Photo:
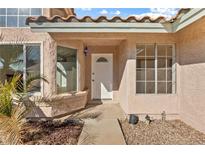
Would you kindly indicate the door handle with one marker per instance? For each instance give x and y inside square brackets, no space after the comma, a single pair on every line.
[93,80]
[93,73]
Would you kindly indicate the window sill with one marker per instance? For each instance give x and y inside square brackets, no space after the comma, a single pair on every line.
[175,94]
[15,27]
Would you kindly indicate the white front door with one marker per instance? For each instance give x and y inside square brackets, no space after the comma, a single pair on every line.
[102,76]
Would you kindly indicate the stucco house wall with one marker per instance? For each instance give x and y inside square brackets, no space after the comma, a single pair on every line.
[48,68]
[123,95]
[48,50]
[124,62]
[67,102]
[191,42]
[188,101]
[142,104]
[48,54]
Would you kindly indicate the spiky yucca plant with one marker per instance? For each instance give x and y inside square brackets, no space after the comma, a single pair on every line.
[14,106]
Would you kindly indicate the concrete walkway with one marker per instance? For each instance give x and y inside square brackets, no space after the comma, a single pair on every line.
[101,125]
[101,132]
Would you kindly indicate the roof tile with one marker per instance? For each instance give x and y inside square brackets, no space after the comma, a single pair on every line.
[116,19]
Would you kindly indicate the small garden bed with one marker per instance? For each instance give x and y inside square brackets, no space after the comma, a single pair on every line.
[52,132]
[159,132]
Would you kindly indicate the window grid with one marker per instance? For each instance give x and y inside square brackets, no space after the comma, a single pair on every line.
[18,17]
[145,79]
[156,58]
[166,69]
[29,11]
[6,18]
[156,66]
[173,71]
[161,69]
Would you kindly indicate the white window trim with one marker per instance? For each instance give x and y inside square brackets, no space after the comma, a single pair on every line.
[77,66]
[174,69]
[24,43]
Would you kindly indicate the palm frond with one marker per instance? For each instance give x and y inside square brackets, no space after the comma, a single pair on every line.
[14,106]
[11,127]
[6,91]
[33,78]
[1,36]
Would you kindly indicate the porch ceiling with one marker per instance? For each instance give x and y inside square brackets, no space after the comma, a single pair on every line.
[89,36]
[102,42]
[90,39]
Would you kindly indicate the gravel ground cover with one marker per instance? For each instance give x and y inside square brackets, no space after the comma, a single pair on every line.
[52,132]
[161,132]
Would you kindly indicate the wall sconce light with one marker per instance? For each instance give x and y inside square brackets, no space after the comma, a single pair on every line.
[86,50]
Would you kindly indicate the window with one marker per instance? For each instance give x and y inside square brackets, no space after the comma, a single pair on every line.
[24,11]
[36,11]
[2,21]
[33,64]
[155,69]
[16,17]
[102,60]
[12,21]
[12,11]
[2,11]
[14,58]
[66,74]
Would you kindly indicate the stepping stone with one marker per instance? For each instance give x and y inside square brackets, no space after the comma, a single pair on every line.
[101,132]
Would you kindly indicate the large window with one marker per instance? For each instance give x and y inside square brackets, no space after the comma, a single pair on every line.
[66,74]
[155,69]
[16,17]
[14,58]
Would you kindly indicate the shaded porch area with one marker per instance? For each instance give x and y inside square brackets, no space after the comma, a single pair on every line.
[101,79]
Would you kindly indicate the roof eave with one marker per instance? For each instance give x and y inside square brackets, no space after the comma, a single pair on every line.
[189,18]
[101,27]
[166,27]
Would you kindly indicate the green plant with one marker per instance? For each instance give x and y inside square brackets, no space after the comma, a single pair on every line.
[15,102]
[14,106]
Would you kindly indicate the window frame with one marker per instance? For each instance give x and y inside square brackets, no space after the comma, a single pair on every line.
[18,17]
[77,66]
[173,69]
[24,44]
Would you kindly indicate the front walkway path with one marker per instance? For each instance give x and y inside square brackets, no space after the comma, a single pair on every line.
[101,125]
[101,132]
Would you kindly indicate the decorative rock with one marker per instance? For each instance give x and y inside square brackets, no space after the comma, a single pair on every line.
[158,132]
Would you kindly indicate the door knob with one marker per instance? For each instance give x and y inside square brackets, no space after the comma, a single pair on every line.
[93,80]
[93,73]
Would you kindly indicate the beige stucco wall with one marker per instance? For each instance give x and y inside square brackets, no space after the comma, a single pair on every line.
[24,35]
[125,70]
[123,57]
[143,104]
[48,68]
[191,44]
[48,54]
[187,103]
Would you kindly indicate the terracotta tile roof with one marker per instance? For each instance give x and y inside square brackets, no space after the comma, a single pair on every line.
[180,13]
[116,19]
